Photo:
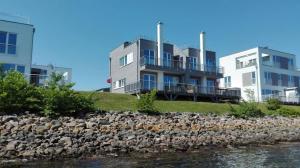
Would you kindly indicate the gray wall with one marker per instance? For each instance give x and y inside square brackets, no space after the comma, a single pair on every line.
[129,71]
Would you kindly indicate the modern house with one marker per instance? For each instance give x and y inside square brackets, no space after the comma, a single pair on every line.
[144,64]
[40,73]
[16,45]
[264,72]
[16,42]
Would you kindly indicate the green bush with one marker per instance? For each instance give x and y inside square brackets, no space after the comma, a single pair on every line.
[287,112]
[145,103]
[273,104]
[58,98]
[61,99]
[246,110]
[16,95]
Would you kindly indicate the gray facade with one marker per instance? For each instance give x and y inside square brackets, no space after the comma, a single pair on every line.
[174,71]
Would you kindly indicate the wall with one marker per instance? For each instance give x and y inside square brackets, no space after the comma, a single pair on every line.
[24,46]
[130,71]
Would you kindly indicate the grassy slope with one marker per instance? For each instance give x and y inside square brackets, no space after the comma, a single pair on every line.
[123,102]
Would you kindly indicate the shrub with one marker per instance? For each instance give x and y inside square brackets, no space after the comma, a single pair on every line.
[145,103]
[287,112]
[61,99]
[16,95]
[273,104]
[246,110]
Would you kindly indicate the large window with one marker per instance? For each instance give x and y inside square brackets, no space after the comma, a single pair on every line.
[192,62]
[149,57]
[149,81]
[8,43]
[167,59]
[267,76]
[171,80]
[12,67]
[210,86]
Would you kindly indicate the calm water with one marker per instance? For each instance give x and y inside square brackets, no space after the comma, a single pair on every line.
[281,155]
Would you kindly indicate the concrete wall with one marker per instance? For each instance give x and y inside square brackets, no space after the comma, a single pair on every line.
[24,46]
[130,71]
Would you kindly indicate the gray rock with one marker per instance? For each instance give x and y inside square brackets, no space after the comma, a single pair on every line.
[12,145]
[67,141]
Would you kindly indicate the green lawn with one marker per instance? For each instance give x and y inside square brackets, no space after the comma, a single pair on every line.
[124,102]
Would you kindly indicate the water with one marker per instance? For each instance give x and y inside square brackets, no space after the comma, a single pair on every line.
[281,155]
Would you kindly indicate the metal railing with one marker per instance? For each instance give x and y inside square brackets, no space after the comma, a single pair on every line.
[180,65]
[282,98]
[183,88]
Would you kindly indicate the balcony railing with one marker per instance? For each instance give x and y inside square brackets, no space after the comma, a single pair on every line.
[285,99]
[180,65]
[180,88]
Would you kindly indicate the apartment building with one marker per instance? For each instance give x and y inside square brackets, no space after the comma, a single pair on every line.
[264,72]
[16,42]
[144,64]
[41,73]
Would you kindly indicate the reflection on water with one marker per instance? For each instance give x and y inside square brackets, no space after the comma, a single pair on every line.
[281,155]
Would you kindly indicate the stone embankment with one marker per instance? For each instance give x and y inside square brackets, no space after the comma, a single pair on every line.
[31,137]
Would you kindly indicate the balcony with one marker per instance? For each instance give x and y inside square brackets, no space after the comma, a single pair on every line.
[181,67]
[181,89]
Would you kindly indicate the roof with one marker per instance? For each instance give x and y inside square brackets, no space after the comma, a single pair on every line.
[16,22]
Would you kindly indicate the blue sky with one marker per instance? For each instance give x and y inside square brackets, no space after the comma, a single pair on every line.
[81,33]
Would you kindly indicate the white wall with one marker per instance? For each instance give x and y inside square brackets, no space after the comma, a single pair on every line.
[24,46]
[229,65]
[53,69]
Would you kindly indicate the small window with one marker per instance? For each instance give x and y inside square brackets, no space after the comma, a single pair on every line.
[253,77]
[2,42]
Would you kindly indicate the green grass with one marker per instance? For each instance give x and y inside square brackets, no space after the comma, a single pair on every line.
[124,102]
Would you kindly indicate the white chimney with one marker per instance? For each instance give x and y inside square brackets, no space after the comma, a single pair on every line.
[160,47]
[202,49]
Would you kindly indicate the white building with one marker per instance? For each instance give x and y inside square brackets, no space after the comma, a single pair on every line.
[16,45]
[265,72]
[41,73]
[16,42]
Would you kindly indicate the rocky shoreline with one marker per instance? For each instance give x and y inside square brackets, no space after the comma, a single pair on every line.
[30,137]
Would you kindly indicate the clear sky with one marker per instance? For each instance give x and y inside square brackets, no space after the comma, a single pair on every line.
[81,33]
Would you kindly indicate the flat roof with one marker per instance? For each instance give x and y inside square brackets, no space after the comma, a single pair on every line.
[266,48]
[16,22]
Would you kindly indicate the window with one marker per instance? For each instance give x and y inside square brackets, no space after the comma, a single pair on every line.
[266,92]
[149,82]
[12,42]
[267,76]
[170,80]
[192,63]
[9,67]
[8,43]
[21,69]
[2,42]
[253,78]
[194,82]
[167,59]
[119,83]
[125,60]
[149,57]
[227,81]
